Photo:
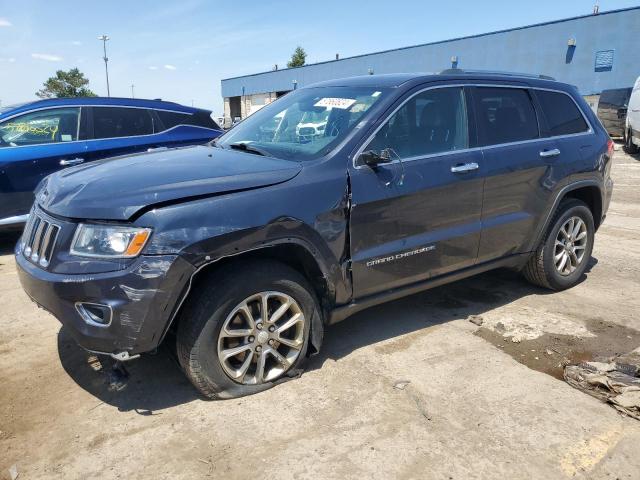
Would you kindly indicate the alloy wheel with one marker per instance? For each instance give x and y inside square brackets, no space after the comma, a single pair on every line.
[261,338]
[570,246]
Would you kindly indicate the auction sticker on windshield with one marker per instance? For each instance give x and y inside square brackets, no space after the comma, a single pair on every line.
[342,103]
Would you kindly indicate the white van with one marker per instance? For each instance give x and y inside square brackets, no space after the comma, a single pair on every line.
[632,125]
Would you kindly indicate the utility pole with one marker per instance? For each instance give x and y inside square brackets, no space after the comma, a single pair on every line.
[132,93]
[104,39]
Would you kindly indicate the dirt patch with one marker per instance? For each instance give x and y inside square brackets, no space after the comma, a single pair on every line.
[550,353]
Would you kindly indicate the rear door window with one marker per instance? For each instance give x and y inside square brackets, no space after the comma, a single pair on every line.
[115,122]
[562,113]
[431,122]
[505,115]
[55,125]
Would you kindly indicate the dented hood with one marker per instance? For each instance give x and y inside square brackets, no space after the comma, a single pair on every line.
[117,188]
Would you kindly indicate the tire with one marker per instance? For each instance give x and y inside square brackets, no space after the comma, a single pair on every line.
[542,269]
[629,146]
[200,337]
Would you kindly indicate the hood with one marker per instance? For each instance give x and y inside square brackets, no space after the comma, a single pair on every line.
[117,188]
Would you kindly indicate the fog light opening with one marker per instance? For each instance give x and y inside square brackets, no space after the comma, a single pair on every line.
[95,314]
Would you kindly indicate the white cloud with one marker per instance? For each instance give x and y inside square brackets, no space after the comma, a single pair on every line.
[46,56]
[170,67]
[8,60]
[153,67]
[4,22]
[77,43]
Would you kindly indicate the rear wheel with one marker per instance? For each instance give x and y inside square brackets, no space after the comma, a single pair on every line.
[629,146]
[246,329]
[564,252]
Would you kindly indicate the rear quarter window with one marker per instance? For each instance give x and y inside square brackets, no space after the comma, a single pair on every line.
[198,119]
[562,114]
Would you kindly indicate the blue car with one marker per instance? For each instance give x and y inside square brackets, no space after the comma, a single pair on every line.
[39,138]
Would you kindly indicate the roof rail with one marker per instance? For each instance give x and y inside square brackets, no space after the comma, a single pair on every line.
[458,71]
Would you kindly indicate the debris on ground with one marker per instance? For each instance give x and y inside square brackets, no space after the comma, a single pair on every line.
[117,377]
[615,382]
[401,384]
[476,320]
[13,472]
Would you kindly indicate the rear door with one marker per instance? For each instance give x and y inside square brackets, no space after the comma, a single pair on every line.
[519,164]
[418,215]
[32,146]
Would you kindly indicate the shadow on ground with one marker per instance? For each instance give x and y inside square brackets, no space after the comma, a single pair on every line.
[156,381]
[8,241]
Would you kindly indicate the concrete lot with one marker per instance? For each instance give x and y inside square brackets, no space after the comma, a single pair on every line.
[477,405]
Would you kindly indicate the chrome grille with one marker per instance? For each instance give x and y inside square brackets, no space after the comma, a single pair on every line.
[39,239]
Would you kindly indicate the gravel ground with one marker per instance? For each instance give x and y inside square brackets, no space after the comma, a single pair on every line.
[411,389]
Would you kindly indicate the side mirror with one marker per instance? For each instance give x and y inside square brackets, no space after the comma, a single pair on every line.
[372,159]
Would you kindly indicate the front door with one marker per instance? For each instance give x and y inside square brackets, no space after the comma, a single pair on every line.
[417,215]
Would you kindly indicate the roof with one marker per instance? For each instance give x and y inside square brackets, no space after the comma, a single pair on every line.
[95,101]
[391,80]
[446,41]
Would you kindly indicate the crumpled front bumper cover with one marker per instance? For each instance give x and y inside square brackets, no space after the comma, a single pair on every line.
[143,299]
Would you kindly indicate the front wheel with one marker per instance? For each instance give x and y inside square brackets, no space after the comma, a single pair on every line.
[246,329]
[565,251]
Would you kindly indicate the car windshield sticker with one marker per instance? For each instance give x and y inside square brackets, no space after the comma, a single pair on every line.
[342,103]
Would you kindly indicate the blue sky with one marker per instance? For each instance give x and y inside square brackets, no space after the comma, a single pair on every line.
[180,50]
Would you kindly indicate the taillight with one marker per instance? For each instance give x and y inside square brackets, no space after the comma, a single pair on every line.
[610,148]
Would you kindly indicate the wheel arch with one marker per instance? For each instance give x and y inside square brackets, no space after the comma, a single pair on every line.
[588,191]
[592,196]
[294,253]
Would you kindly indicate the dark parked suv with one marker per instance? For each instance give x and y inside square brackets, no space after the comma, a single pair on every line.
[612,110]
[244,250]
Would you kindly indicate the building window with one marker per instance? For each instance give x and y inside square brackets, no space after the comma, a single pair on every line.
[604,61]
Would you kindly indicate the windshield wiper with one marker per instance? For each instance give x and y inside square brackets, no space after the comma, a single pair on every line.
[249,149]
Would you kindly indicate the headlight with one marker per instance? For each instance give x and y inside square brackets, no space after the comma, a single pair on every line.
[105,241]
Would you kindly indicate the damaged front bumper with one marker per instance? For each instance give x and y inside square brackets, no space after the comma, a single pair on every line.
[121,313]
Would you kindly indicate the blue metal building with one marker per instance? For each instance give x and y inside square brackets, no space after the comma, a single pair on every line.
[593,52]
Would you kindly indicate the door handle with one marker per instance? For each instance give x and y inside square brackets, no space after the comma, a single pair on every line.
[71,161]
[464,167]
[550,153]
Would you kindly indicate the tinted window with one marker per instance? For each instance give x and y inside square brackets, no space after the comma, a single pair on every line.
[199,119]
[431,122]
[563,116]
[505,115]
[171,119]
[45,126]
[112,122]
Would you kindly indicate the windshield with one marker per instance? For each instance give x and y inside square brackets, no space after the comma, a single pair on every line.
[304,124]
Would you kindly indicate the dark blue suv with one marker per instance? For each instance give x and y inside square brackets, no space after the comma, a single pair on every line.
[39,138]
[241,252]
